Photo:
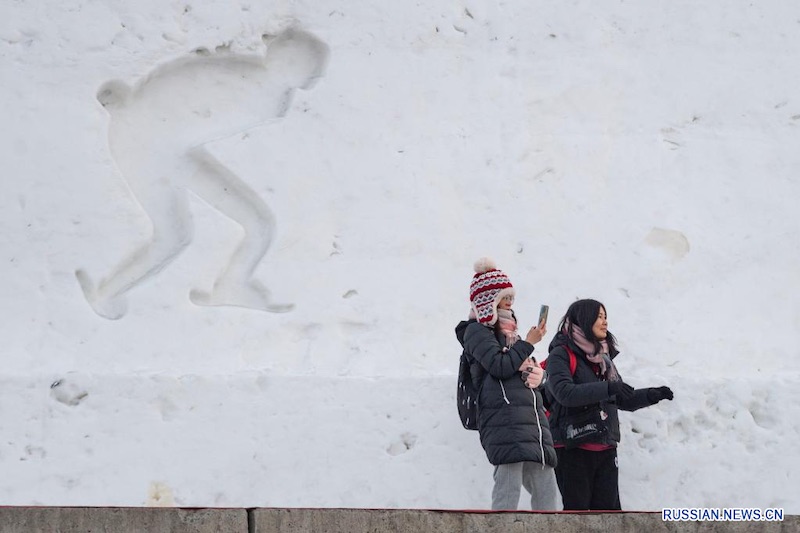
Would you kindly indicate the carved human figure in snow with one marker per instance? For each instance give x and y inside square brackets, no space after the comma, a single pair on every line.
[159,134]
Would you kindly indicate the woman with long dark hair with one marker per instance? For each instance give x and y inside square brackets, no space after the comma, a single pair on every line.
[585,390]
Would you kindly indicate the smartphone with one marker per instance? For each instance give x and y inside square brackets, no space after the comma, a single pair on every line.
[543,314]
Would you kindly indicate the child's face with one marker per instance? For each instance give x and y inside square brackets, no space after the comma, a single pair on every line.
[506,302]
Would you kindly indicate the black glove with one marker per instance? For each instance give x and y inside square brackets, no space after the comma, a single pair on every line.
[656,394]
[620,389]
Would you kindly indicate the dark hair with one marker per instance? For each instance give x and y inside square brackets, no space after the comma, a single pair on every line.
[584,313]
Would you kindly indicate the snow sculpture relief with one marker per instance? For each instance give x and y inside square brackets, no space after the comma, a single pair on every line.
[159,134]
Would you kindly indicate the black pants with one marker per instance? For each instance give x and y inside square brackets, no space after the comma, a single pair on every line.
[588,480]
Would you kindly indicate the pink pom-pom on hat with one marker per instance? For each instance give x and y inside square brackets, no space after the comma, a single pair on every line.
[489,286]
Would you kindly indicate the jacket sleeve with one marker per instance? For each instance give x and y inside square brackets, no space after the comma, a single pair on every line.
[543,384]
[480,343]
[561,386]
[638,401]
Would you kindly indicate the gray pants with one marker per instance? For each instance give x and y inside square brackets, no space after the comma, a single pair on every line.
[539,482]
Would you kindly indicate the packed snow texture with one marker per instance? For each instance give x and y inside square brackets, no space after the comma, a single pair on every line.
[237,238]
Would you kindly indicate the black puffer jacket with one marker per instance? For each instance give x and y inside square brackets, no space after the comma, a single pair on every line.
[511,418]
[568,393]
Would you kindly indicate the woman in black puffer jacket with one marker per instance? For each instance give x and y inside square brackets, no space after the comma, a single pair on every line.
[584,396]
[511,417]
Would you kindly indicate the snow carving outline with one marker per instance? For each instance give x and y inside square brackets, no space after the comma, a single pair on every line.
[159,133]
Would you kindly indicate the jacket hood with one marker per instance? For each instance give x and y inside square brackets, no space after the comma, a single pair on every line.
[461,328]
[559,340]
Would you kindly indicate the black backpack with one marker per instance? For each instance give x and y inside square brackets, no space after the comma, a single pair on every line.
[467,395]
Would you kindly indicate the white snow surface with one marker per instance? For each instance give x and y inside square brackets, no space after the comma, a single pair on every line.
[641,153]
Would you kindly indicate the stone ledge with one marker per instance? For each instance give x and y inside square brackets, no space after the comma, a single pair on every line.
[426,521]
[217,520]
[121,520]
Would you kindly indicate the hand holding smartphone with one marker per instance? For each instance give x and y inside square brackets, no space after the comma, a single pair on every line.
[538,331]
[543,311]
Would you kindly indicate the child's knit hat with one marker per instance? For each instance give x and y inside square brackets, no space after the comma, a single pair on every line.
[488,287]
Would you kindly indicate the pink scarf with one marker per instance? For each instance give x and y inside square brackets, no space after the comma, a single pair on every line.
[507,324]
[607,366]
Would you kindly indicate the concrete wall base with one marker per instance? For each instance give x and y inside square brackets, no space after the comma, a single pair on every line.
[421,521]
[121,520]
[175,520]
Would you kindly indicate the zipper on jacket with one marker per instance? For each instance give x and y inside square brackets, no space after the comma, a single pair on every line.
[504,393]
[539,424]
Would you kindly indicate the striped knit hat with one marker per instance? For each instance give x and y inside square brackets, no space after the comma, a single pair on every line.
[488,287]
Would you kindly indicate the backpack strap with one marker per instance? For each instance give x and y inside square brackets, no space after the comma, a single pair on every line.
[573,361]
[573,366]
